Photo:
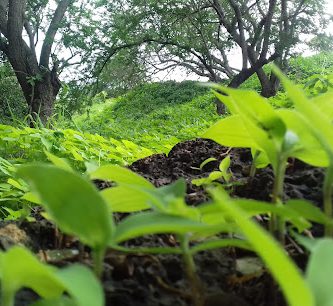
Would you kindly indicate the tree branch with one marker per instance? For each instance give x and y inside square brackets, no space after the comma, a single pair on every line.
[51,32]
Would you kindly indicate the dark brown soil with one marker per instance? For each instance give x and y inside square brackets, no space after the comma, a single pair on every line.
[135,280]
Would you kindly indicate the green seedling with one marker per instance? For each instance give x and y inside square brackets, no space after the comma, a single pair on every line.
[316,114]
[19,268]
[74,204]
[79,209]
[273,136]
[255,124]
[224,174]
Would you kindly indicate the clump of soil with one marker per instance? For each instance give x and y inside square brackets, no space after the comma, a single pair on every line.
[159,280]
[302,181]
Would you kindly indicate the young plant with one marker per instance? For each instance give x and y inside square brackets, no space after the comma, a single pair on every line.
[19,268]
[317,115]
[255,124]
[74,204]
[223,173]
[273,136]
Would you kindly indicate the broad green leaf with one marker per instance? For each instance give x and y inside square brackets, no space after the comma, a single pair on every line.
[260,121]
[230,132]
[201,181]
[211,213]
[285,272]
[19,268]
[309,149]
[120,175]
[319,272]
[155,223]
[72,202]
[126,199]
[308,211]
[161,197]
[318,123]
[325,103]
[262,160]
[76,155]
[82,285]
[254,107]
[57,161]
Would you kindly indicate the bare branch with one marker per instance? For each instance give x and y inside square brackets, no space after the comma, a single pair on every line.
[51,32]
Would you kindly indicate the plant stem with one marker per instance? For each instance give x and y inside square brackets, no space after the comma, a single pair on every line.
[196,286]
[327,193]
[253,165]
[98,259]
[277,225]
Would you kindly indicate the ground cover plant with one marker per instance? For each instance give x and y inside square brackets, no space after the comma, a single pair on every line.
[156,115]
[115,220]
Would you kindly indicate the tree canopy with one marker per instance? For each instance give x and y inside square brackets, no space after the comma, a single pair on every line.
[201,35]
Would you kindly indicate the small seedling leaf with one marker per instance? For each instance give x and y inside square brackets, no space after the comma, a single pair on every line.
[205,162]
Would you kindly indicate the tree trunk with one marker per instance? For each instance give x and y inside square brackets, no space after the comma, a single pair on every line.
[220,107]
[43,95]
[269,85]
[40,91]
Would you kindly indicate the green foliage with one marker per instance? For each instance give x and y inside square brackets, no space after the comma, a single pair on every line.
[278,135]
[301,68]
[67,149]
[123,72]
[74,204]
[156,115]
[318,118]
[19,268]
[28,144]
[169,215]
